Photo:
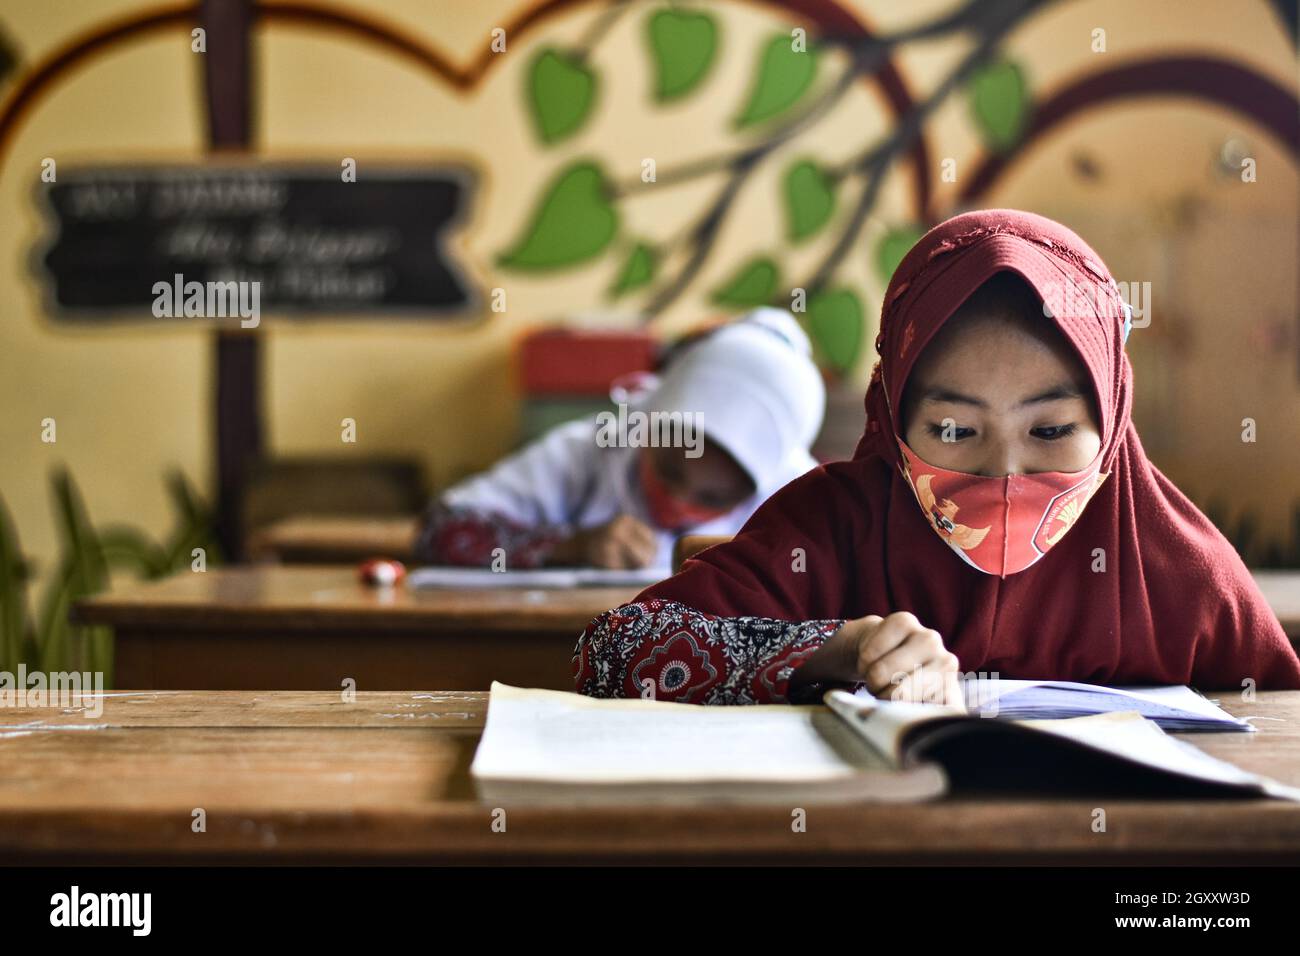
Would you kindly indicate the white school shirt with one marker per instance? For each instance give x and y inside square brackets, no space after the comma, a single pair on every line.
[564,478]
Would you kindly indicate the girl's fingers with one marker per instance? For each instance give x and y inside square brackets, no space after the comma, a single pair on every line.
[889,634]
[952,690]
[920,647]
[646,535]
[643,553]
[923,686]
[928,685]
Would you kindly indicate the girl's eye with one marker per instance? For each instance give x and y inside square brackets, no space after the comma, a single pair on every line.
[1054,432]
[956,433]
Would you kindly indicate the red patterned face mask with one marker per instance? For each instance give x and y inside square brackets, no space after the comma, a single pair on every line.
[1000,525]
[668,511]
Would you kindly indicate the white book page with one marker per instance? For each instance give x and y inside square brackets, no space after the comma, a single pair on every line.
[476,578]
[479,578]
[552,736]
[1183,698]
[617,578]
[1124,733]
[1131,735]
[882,722]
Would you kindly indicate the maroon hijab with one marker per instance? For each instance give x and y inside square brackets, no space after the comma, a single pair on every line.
[1174,603]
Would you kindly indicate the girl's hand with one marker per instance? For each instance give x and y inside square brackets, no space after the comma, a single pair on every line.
[899,659]
[621,544]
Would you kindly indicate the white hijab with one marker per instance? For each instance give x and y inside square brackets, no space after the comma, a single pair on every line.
[759,395]
[756,391]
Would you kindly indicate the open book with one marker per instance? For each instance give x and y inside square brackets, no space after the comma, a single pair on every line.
[476,578]
[1174,708]
[550,746]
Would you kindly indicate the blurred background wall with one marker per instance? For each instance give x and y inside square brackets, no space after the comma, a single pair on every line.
[1134,136]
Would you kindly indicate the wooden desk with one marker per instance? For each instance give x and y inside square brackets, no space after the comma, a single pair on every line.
[304,777]
[1282,591]
[313,539]
[309,628]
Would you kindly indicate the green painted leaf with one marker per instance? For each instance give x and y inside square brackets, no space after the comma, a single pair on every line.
[574,222]
[999,99]
[683,45]
[837,322]
[637,271]
[783,77]
[809,200]
[892,247]
[561,92]
[753,285]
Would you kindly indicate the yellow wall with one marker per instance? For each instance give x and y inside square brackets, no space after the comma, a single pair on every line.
[133,399]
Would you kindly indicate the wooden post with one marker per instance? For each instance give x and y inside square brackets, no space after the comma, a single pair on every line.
[227,72]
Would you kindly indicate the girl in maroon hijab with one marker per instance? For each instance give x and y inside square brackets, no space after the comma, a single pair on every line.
[999,516]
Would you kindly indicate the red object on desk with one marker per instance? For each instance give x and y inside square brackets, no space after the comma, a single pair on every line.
[381,572]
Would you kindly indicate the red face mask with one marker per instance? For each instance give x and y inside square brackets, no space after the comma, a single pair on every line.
[1000,525]
[668,511]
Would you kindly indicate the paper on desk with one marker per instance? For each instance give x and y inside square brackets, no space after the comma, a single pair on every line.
[478,578]
[544,735]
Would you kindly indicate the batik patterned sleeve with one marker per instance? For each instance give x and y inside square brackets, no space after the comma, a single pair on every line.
[671,652]
[471,536]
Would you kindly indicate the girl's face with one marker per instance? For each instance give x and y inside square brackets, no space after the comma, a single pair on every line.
[1012,393]
[713,480]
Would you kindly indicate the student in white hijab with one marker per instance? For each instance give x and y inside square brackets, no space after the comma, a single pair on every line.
[739,407]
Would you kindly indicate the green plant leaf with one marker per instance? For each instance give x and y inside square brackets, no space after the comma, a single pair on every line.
[752,285]
[893,247]
[574,222]
[784,75]
[561,92]
[85,572]
[188,507]
[14,625]
[999,99]
[79,540]
[683,45]
[195,527]
[809,200]
[129,549]
[53,631]
[837,322]
[637,270]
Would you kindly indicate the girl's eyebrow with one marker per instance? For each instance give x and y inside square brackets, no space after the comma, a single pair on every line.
[1053,394]
[938,394]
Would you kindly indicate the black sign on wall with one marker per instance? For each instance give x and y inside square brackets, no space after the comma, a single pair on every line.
[313,242]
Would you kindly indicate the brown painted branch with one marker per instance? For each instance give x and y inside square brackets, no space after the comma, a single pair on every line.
[702,234]
[867,56]
[599,27]
[876,162]
[990,24]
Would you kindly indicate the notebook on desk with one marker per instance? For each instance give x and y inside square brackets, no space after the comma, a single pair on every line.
[546,578]
[550,746]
